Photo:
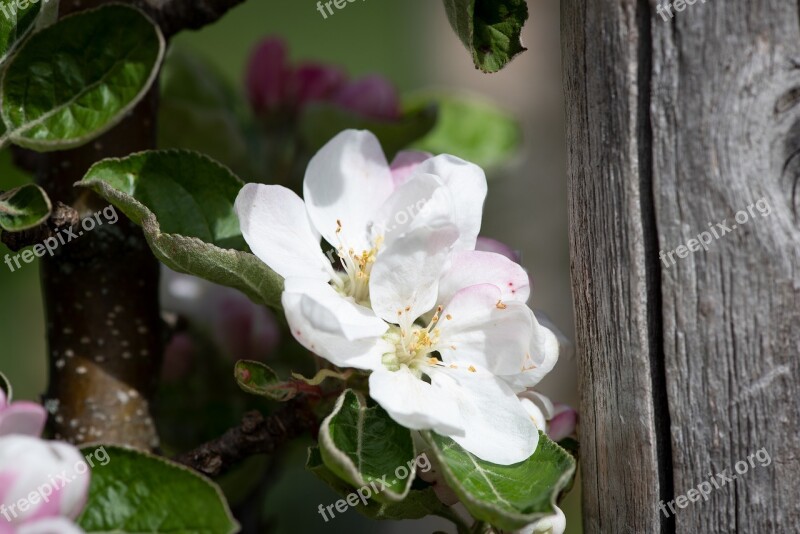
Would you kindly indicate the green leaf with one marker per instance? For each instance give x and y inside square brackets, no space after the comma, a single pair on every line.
[184,202]
[363,444]
[135,492]
[321,122]
[507,496]
[15,24]
[78,78]
[490,29]
[471,128]
[258,379]
[416,505]
[24,207]
[198,110]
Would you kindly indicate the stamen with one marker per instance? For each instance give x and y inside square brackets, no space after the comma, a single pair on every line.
[472,369]
[500,305]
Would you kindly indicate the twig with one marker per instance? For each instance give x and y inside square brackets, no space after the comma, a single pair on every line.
[256,435]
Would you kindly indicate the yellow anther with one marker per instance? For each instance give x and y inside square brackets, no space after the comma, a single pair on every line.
[472,369]
[449,317]
[433,361]
[500,305]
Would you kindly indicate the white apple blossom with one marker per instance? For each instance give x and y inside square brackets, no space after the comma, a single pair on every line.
[26,418]
[42,487]
[444,329]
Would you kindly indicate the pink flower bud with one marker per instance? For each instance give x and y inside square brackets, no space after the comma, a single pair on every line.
[267,75]
[372,96]
[487,244]
[179,357]
[55,472]
[563,423]
[313,82]
[405,163]
[244,330]
[25,418]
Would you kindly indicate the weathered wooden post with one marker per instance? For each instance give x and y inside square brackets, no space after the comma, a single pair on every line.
[688,364]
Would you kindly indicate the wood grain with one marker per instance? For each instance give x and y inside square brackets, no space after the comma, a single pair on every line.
[686,369]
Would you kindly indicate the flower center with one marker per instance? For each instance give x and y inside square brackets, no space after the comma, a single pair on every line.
[413,346]
[357,268]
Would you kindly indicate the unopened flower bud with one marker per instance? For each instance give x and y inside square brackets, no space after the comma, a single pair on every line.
[267,75]
[372,96]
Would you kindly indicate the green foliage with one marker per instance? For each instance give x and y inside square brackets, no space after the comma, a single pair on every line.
[471,128]
[258,379]
[490,29]
[416,505]
[184,202]
[136,492]
[16,26]
[23,208]
[76,79]
[363,444]
[506,496]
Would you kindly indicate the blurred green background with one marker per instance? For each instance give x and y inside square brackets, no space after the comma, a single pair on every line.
[411,43]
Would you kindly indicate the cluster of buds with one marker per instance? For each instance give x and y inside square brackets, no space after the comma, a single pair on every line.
[276,87]
[41,491]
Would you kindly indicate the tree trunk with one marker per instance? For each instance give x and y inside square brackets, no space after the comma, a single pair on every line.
[689,363]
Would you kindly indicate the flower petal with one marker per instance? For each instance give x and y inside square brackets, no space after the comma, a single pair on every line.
[487,244]
[405,163]
[422,202]
[405,278]
[30,463]
[476,326]
[26,418]
[276,227]
[346,181]
[414,403]
[551,524]
[52,525]
[328,324]
[498,429]
[467,184]
[541,358]
[471,268]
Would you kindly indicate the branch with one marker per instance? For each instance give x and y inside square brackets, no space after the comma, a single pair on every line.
[256,435]
[63,216]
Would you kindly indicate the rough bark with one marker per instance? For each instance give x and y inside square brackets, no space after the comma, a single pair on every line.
[101,291]
[686,369]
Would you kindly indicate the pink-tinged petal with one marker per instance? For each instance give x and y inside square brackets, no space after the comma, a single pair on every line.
[275,225]
[56,525]
[541,358]
[373,97]
[314,82]
[471,268]
[35,464]
[467,184]
[405,163]
[498,429]
[3,399]
[26,418]
[487,244]
[404,282]
[563,423]
[476,326]
[267,75]
[332,326]
[414,403]
[345,183]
